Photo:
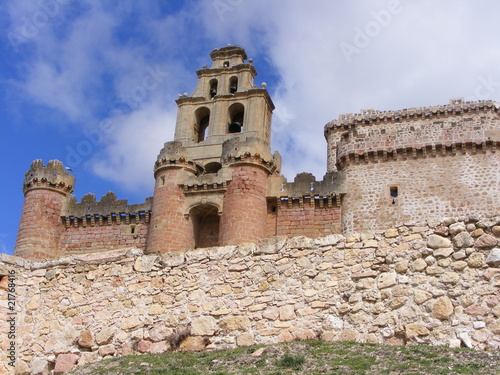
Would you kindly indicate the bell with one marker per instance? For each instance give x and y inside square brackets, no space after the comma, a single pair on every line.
[213,92]
[235,127]
[233,89]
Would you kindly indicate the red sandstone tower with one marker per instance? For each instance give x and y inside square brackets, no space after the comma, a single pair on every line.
[211,180]
[45,190]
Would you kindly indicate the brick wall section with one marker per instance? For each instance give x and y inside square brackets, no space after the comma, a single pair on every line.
[101,238]
[303,221]
[433,188]
[41,227]
[245,207]
[169,229]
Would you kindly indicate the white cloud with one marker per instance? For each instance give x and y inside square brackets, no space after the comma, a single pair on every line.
[132,146]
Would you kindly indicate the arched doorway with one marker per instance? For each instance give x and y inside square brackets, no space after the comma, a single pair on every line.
[205,219]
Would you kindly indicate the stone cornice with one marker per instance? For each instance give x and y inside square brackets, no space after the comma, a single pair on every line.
[52,177]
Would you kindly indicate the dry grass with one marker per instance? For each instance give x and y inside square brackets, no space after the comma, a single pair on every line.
[309,357]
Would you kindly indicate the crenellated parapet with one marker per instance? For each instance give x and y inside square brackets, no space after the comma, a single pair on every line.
[107,211]
[174,155]
[455,107]
[306,189]
[52,177]
[250,151]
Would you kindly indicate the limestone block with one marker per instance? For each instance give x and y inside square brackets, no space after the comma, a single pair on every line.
[104,336]
[245,339]
[86,339]
[415,329]
[386,280]
[159,347]
[159,333]
[442,309]
[486,241]
[349,335]
[493,258]
[450,278]
[463,239]
[435,241]
[401,267]
[458,266]
[65,363]
[391,233]
[173,259]
[271,313]
[306,334]
[193,344]
[456,228]
[496,230]
[143,346]
[330,240]
[145,263]
[476,260]
[285,336]
[287,312]
[203,326]
[236,323]
[418,265]
[106,350]
[270,246]
[40,366]
[443,252]
[131,322]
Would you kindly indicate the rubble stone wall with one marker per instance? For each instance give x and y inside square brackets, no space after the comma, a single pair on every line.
[418,283]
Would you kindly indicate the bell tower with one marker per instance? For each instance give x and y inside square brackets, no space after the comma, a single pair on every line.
[211,180]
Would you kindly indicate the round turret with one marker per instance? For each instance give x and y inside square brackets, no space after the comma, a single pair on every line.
[45,190]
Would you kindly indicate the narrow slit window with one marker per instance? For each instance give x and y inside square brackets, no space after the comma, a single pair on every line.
[394,191]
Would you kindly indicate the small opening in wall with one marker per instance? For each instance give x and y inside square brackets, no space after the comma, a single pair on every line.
[162,180]
[394,193]
[273,209]
[226,64]
[132,229]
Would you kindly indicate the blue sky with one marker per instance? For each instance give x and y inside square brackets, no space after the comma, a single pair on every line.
[93,82]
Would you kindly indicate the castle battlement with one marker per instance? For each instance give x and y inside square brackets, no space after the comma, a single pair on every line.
[53,177]
[107,211]
[455,107]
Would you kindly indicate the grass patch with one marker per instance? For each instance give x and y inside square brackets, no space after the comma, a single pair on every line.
[305,357]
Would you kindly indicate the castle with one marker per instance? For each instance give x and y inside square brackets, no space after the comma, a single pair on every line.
[219,184]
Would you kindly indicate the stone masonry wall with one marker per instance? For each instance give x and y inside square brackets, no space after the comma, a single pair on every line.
[433,188]
[418,283]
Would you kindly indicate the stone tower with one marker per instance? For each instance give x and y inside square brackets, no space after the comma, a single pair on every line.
[45,190]
[211,181]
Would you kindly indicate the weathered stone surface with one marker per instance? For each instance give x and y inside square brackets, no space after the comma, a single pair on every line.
[443,252]
[418,265]
[386,280]
[106,350]
[493,258]
[456,228]
[486,241]
[104,336]
[203,326]
[131,322]
[476,260]
[435,241]
[463,239]
[236,323]
[416,329]
[86,339]
[40,366]
[442,309]
[391,233]
[287,312]
[193,344]
[65,363]
[245,339]
[145,263]
[349,335]
[421,296]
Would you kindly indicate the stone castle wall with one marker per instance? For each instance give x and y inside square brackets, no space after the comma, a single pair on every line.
[432,283]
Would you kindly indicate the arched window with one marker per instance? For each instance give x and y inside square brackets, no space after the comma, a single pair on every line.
[213,88]
[236,116]
[213,167]
[233,85]
[201,126]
